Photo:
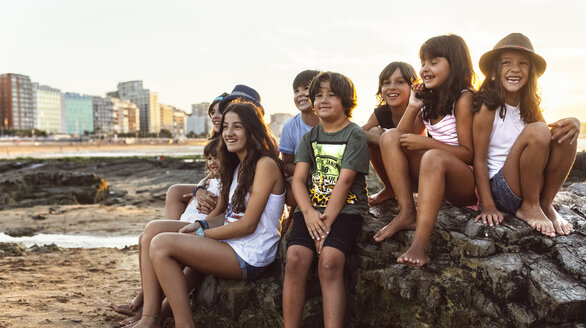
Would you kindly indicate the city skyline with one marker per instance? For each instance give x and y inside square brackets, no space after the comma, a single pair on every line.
[189,52]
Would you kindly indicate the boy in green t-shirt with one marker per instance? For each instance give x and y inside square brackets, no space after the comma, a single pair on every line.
[330,189]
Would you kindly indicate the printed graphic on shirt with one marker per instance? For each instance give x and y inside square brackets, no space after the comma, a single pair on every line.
[231,216]
[328,162]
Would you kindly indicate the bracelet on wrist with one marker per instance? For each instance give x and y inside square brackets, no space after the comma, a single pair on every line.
[203,223]
[194,192]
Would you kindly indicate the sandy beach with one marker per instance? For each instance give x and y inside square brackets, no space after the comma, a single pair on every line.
[53,286]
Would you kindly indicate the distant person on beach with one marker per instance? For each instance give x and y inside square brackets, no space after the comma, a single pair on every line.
[394,89]
[330,189]
[237,245]
[520,164]
[190,215]
[439,166]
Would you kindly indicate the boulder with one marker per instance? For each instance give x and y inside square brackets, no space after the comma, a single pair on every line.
[480,276]
[32,188]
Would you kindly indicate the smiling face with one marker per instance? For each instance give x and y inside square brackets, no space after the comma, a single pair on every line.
[301,98]
[234,134]
[213,164]
[327,105]
[216,117]
[395,90]
[434,72]
[514,72]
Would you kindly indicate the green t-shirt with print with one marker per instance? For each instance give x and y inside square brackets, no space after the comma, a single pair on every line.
[329,153]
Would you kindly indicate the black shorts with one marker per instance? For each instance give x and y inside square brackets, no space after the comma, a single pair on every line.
[342,235]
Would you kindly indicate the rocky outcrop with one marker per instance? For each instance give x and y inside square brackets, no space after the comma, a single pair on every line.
[31,188]
[479,276]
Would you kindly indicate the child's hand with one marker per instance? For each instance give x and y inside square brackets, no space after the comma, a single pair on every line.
[206,201]
[490,216]
[565,130]
[190,228]
[414,101]
[412,141]
[315,225]
[319,245]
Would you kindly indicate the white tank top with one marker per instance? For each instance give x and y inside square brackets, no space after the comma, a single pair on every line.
[504,134]
[259,248]
[191,213]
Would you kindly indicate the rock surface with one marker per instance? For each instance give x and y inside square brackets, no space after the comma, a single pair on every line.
[479,276]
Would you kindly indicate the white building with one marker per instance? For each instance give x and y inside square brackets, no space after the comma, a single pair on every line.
[199,121]
[277,121]
[147,101]
[47,103]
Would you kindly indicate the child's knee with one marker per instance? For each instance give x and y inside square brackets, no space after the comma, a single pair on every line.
[538,133]
[330,268]
[434,159]
[297,263]
[389,137]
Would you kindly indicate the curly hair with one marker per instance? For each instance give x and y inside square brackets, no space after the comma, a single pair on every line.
[461,77]
[259,143]
[492,93]
[341,85]
[407,72]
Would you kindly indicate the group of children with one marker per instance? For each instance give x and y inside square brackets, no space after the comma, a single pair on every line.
[435,135]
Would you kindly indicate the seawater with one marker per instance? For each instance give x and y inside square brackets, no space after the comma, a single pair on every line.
[72,241]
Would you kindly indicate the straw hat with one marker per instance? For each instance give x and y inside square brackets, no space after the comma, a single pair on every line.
[513,41]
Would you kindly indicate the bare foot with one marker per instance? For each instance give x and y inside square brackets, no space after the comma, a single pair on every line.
[414,257]
[404,221]
[132,309]
[145,322]
[561,226]
[130,320]
[125,309]
[535,218]
[381,196]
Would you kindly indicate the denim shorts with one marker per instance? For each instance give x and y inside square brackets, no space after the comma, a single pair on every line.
[249,272]
[504,198]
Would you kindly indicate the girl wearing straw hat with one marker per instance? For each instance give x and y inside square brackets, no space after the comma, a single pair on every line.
[520,162]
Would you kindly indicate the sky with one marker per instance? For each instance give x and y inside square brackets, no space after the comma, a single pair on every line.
[191,51]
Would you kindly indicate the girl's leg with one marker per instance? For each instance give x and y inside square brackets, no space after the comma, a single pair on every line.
[373,138]
[523,170]
[561,159]
[299,260]
[175,203]
[170,251]
[440,173]
[150,285]
[331,277]
[377,163]
[400,166]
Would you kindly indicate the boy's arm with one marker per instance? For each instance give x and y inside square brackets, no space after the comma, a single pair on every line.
[338,196]
[289,163]
[316,227]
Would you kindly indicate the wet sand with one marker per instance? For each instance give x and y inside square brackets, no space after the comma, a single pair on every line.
[71,287]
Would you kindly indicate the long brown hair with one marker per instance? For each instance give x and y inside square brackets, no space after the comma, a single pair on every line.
[454,49]
[492,93]
[259,143]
